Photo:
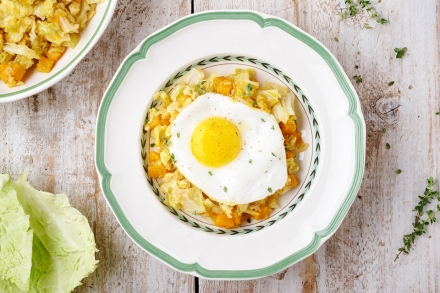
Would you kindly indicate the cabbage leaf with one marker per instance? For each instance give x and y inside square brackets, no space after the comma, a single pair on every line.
[63,243]
[15,241]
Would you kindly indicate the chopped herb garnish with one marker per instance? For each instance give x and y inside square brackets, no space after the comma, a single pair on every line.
[269,189]
[178,134]
[199,87]
[255,103]
[250,161]
[273,155]
[273,127]
[388,146]
[173,159]
[390,83]
[437,113]
[336,39]
[225,189]
[210,173]
[167,141]
[195,213]
[263,120]
[249,87]
[384,130]
[398,171]
[152,145]
[419,223]
[400,52]
[358,78]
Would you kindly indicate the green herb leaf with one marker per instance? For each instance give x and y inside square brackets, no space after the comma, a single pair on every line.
[398,171]
[210,173]
[249,87]
[178,134]
[250,161]
[390,83]
[358,78]
[269,189]
[255,103]
[384,130]
[273,127]
[173,159]
[400,52]
[152,144]
[419,223]
[336,39]
[225,189]
[263,120]
[388,146]
[273,155]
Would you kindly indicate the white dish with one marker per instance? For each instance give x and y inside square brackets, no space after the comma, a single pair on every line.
[330,115]
[36,82]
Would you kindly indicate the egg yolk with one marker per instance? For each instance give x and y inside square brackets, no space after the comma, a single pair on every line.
[215,142]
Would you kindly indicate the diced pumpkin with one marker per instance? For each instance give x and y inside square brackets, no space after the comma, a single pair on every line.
[45,65]
[165,119]
[55,52]
[155,122]
[287,129]
[236,218]
[153,157]
[157,171]
[264,213]
[11,73]
[223,221]
[223,85]
[293,180]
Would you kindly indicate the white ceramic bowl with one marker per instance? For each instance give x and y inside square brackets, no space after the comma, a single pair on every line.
[329,113]
[36,81]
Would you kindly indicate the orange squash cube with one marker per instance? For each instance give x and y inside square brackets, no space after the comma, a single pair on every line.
[223,85]
[153,157]
[45,65]
[287,129]
[157,171]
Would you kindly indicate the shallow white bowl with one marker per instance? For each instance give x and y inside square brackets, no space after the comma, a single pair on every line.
[36,82]
[330,115]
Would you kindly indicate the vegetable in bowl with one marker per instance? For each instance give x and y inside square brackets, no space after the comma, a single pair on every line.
[36,33]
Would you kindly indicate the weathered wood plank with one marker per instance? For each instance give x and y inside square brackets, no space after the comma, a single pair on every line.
[53,133]
[359,257]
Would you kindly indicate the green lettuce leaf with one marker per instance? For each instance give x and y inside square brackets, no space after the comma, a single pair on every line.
[63,244]
[15,241]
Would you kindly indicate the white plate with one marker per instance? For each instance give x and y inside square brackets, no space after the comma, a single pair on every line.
[331,118]
[36,82]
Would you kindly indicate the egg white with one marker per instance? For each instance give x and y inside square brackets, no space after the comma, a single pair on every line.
[260,168]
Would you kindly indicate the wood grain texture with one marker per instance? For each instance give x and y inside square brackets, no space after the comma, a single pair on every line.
[360,256]
[53,133]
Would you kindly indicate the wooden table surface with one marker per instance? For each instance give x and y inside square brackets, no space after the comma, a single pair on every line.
[53,133]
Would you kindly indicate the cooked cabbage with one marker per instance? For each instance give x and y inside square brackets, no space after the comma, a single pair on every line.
[28,28]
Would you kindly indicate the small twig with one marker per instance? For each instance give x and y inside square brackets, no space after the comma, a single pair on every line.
[391,110]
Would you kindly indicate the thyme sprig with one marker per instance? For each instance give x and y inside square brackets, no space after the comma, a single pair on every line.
[353,7]
[419,223]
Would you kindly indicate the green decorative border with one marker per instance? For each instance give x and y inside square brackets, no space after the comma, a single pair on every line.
[109,9]
[311,175]
[319,236]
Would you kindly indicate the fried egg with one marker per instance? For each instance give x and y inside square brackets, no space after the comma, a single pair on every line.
[232,152]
